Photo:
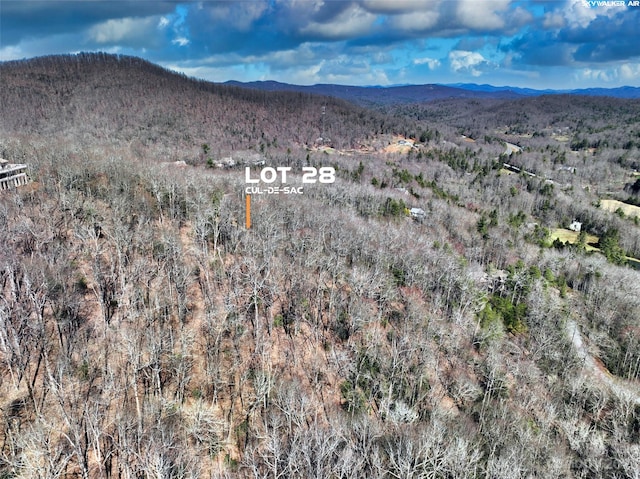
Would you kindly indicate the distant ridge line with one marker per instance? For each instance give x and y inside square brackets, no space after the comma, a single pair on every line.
[405,94]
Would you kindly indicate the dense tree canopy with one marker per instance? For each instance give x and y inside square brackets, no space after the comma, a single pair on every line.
[145,332]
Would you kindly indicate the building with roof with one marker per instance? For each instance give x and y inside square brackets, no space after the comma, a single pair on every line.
[418,214]
[12,175]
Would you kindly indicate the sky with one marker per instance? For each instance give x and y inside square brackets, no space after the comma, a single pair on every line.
[562,44]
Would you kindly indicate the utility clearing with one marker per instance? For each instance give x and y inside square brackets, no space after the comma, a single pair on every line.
[594,368]
[613,205]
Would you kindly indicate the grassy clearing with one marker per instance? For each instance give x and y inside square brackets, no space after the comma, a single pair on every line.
[571,237]
[613,205]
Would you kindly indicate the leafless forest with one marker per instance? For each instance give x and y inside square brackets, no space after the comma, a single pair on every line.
[146,333]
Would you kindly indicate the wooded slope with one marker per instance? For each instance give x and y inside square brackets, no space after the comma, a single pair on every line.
[108,97]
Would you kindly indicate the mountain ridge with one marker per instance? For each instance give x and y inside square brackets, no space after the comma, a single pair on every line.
[94,93]
[625,91]
[406,94]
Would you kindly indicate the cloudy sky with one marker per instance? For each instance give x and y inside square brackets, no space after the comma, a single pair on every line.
[537,43]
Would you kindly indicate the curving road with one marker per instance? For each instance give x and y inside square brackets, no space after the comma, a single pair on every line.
[594,368]
[511,148]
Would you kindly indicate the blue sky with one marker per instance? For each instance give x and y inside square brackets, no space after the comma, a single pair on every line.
[537,43]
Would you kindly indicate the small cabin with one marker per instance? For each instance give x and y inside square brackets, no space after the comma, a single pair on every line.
[12,175]
[575,226]
[417,213]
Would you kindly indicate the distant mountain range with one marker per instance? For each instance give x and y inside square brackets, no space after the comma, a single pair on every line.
[405,94]
[620,92]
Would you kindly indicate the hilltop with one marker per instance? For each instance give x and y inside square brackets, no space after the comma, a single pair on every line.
[126,99]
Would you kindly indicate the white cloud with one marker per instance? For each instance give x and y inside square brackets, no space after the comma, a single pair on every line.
[461,61]
[164,22]
[51,45]
[351,22]
[400,6]
[578,13]
[380,58]
[181,41]
[372,77]
[482,14]
[240,15]
[307,5]
[553,20]
[283,59]
[432,63]
[519,17]
[630,72]
[340,70]
[595,74]
[135,30]
[296,58]
[627,73]
[416,21]
[12,52]
[507,61]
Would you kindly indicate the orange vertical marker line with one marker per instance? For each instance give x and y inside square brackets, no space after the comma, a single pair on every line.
[247,215]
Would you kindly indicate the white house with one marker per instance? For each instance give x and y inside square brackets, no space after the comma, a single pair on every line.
[417,213]
[12,175]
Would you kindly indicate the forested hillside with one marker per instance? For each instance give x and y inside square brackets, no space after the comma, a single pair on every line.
[146,332]
[89,97]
